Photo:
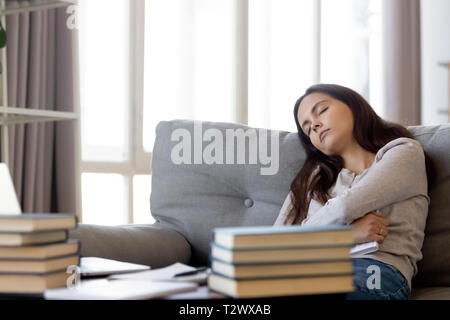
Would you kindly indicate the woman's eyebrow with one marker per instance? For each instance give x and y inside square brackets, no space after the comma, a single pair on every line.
[312,111]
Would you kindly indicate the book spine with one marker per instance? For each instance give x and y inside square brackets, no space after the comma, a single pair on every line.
[281,248]
[256,264]
[32,231]
[77,253]
[237,264]
[3,274]
[329,275]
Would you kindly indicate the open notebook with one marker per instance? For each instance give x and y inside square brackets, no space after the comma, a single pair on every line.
[94,267]
[137,285]
[119,290]
[168,273]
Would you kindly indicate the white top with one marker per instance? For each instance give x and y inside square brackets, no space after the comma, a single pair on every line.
[396,184]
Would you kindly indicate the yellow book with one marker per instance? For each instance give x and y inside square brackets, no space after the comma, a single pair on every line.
[282,236]
[279,254]
[258,288]
[32,222]
[21,239]
[41,251]
[38,266]
[271,270]
[32,283]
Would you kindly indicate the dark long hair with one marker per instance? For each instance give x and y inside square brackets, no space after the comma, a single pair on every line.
[369,130]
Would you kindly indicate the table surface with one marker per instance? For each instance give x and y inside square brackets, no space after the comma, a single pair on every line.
[202,293]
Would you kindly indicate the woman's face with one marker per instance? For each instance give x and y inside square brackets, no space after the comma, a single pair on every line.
[319,112]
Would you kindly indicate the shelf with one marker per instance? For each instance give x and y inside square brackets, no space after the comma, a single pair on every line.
[41,6]
[10,116]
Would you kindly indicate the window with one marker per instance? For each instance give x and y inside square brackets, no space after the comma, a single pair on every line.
[281,55]
[294,44]
[115,171]
[351,47]
[147,61]
[104,81]
[189,61]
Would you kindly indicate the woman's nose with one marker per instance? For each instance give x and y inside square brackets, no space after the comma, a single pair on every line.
[317,125]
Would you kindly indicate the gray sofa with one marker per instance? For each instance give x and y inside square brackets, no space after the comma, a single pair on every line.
[189,200]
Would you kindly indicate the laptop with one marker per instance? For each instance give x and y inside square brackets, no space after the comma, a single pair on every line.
[9,204]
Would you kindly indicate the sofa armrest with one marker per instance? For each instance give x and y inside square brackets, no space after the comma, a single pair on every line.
[144,244]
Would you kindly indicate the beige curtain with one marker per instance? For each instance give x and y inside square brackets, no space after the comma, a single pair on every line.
[401,73]
[42,155]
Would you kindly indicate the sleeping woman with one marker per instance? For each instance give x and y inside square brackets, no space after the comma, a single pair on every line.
[365,172]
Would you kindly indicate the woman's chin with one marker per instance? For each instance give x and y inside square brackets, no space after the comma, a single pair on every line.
[327,151]
[323,150]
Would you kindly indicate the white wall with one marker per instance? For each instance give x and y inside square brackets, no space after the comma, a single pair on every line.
[435,34]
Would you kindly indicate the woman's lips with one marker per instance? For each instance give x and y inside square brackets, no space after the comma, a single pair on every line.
[322,136]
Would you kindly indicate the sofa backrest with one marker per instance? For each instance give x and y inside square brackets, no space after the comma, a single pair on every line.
[198,195]
[434,268]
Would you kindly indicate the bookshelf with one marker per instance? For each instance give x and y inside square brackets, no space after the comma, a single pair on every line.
[34,7]
[12,115]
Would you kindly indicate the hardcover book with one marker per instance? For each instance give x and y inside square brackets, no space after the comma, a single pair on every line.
[31,222]
[38,266]
[32,283]
[21,239]
[282,236]
[276,270]
[40,251]
[290,254]
[255,288]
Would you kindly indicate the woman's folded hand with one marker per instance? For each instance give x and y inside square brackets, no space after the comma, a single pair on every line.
[372,226]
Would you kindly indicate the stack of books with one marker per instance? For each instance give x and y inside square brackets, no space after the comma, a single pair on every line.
[35,252]
[267,261]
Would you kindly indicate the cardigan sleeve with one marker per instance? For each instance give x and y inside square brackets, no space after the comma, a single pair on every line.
[398,173]
[282,218]
[284,211]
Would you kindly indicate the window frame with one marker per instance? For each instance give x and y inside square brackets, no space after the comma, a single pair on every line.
[139,161]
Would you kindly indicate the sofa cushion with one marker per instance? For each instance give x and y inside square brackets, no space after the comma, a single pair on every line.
[434,268]
[142,244]
[195,198]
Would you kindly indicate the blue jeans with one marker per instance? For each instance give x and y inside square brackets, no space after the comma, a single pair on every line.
[375,280]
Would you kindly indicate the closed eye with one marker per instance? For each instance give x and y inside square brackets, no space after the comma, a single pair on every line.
[309,131]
